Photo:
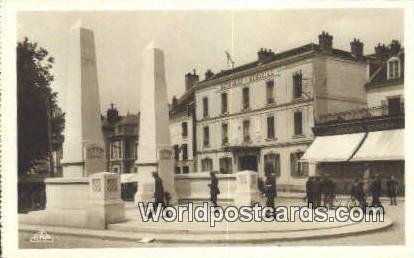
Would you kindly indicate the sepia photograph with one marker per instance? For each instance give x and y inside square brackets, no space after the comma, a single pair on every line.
[244,127]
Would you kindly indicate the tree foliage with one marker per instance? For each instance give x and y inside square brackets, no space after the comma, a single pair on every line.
[36,103]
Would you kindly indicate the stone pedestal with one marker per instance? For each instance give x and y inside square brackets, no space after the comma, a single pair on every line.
[247,193]
[154,148]
[105,203]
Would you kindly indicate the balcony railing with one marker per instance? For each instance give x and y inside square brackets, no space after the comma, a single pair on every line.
[364,113]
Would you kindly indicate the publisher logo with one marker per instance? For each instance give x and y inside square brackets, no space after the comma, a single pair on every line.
[41,237]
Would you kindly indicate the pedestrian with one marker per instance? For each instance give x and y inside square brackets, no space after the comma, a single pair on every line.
[214,190]
[317,193]
[159,191]
[309,191]
[392,190]
[357,193]
[325,191]
[375,189]
[270,191]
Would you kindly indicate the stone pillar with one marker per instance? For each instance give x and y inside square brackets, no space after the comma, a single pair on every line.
[83,148]
[312,168]
[105,204]
[154,149]
[247,193]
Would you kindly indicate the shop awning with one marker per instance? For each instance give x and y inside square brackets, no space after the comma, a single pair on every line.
[382,145]
[333,148]
[129,178]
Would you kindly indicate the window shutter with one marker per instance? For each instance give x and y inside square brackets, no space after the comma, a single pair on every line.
[305,166]
[293,164]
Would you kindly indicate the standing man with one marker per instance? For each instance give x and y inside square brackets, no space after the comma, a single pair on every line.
[357,192]
[309,191]
[159,191]
[392,190]
[270,191]
[317,194]
[214,190]
[325,191]
[376,191]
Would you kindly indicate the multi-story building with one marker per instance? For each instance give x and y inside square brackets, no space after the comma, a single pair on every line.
[121,139]
[182,127]
[259,116]
[370,140]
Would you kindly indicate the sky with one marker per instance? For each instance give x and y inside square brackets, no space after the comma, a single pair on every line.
[195,40]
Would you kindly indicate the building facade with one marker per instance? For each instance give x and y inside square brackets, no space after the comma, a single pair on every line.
[259,116]
[371,140]
[182,127]
[121,140]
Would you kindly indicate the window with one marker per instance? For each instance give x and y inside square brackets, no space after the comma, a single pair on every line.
[297,85]
[272,164]
[115,169]
[185,152]
[116,151]
[177,170]
[224,103]
[298,123]
[394,106]
[176,152]
[184,129]
[205,107]
[246,98]
[297,168]
[206,138]
[246,130]
[269,92]
[186,170]
[270,127]
[206,165]
[393,69]
[226,166]
[224,133]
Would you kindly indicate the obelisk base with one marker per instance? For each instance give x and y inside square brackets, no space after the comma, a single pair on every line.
[73,169]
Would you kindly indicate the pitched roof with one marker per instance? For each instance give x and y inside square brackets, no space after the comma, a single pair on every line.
[283,55]
[378,72]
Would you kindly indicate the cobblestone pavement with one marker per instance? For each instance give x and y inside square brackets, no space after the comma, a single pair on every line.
[391,236]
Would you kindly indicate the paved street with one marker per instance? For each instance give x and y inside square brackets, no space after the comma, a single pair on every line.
[391,236]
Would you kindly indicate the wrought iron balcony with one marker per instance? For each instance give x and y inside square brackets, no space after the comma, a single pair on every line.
[364,113]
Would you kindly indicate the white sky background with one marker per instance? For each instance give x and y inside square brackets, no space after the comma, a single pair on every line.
[195,39]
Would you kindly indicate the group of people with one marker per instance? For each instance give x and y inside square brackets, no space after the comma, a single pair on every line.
[375,188]
[320,190]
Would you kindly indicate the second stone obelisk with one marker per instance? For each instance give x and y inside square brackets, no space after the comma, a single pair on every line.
[154,149]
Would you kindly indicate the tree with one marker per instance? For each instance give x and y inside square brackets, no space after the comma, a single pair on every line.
[40,121]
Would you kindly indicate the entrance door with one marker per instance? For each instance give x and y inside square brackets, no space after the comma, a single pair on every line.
[248,162]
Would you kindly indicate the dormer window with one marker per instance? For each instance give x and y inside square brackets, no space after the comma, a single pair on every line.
[393,70]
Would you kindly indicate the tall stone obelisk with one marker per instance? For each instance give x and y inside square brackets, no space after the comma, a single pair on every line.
[154,147]
[83,148]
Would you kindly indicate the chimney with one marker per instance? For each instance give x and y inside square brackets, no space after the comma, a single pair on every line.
[357,48]
[395,47]
[112,114]
[325,42]
[381,49]
[264,54]
[174,102]
[190,80]
[209,74]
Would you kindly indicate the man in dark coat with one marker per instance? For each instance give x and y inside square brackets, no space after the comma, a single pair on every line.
[392,190]
[357,192]
[270,190]
[309,191]
[317,193]
[159,190]
[376,191]
[325,190]
[214,190]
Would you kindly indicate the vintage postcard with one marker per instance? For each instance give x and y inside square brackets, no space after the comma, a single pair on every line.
[133,128]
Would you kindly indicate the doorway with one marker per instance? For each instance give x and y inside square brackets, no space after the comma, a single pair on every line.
[248,162]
